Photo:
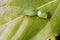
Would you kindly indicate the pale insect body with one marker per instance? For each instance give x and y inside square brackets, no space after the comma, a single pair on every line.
[29,12]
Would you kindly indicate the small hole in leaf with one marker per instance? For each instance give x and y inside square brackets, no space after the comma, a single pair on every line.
[49,15]
[58,37]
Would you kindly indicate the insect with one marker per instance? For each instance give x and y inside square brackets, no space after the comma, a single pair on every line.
[42,14]
[32,12]
[29,12]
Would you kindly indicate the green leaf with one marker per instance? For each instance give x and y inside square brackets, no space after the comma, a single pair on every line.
[27,3]
[31,27]
[51,29]
[9,29]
